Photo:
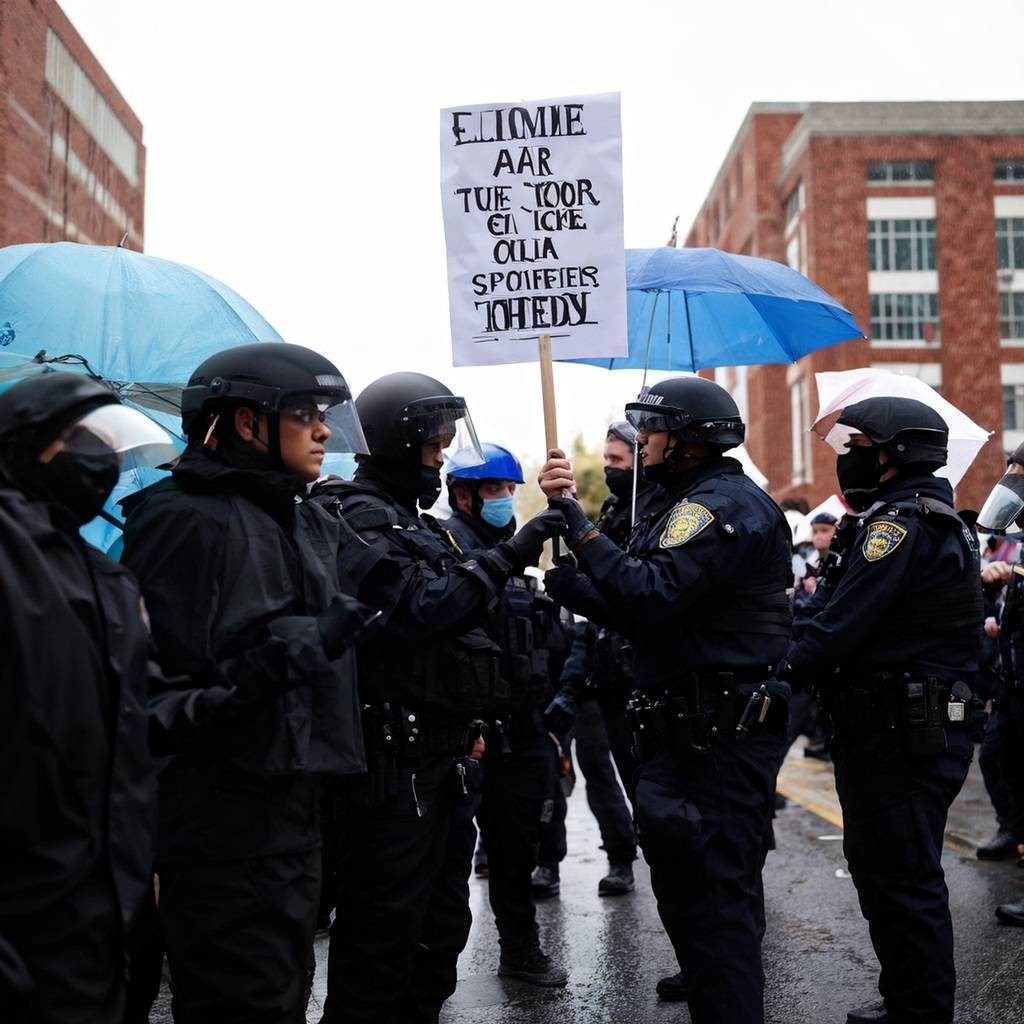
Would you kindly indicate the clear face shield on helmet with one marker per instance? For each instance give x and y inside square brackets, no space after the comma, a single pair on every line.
[136,440]
[1003,506]
[445,419]
[339,416]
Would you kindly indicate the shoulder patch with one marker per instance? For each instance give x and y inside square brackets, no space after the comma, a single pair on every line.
[883,539]
[685,522]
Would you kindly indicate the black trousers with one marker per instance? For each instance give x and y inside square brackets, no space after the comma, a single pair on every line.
[620,740]
[990,761]
[402,899]
[1011,756]
[75,956]
[239,938]
[702,823]
[894,816]
[515,787]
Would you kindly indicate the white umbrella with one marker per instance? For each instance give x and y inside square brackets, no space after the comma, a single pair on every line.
[836,391]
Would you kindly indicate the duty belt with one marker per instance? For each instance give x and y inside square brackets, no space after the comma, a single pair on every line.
[918,707]
[403,732]
[704,706]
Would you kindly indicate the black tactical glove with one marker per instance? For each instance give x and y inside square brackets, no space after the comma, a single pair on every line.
[526,546]
[345,623]
[560,715]
[578,524]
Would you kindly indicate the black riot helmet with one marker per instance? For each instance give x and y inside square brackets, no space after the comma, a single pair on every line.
[693,410]
[912,433]
[272,378]
[97,433]
[1004,506]
[400,412]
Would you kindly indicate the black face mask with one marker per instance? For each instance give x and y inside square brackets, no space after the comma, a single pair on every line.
[81,483]
[430,484]
[619,482]
[858,472]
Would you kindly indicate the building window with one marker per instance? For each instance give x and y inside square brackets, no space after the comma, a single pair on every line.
[898,172]
[901,244]
[794,204]
[1010,243]
[903,317]
[1013,407]
[1011,316]
[798,430]
[1009,170]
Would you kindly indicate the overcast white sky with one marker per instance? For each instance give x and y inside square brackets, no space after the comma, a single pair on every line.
[293,147]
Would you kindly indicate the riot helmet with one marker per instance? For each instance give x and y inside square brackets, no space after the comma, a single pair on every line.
[499,465]
[65,438]
[400,412]
[913,435]
[691,410]
[271,378]
[1004,506]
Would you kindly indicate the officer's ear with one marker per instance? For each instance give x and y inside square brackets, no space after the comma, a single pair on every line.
[463,498]
[247,424]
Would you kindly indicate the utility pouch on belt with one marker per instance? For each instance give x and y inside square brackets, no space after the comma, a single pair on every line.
[471,667]
[925,734]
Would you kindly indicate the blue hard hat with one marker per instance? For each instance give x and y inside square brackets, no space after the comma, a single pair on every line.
[499,464]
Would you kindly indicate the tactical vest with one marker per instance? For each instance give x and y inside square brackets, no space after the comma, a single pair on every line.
[757,603]
[449,677]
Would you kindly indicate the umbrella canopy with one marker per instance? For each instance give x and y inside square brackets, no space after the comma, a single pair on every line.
[130,317]
[838,390]
[688,309]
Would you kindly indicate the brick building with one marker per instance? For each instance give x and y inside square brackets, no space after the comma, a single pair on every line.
[912,215]
[72,163]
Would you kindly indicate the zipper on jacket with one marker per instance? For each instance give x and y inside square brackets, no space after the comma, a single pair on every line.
[461,769]
[415,798]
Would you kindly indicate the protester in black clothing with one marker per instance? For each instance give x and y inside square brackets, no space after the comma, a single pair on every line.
[520,763]
[240,578]
[894,653]
[405,853]
[77,794]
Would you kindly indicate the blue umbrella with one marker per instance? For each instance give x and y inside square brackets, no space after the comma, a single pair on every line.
[138,323]
[131,318]
[693,308]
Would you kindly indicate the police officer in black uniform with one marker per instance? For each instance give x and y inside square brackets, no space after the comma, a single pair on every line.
[405,853]
[1003,511]
[240,579]
[894,652]
[77,792]
[701,594]
[520,761]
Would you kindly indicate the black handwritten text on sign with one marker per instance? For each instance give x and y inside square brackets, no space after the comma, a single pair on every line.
[532,201]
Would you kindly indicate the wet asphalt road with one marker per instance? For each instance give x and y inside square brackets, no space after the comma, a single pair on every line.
[818,959]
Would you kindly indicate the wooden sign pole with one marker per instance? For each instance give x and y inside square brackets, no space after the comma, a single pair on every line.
[547,391]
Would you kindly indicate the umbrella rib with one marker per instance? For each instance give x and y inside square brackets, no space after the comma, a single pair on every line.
[689,329]
[650,335]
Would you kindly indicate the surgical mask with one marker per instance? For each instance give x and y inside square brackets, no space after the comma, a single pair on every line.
[497,512]
[78,481]
[619,481]
[858,472]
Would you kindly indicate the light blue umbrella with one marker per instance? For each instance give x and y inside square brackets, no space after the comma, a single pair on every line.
[138,323]
[132,318]
[688,309]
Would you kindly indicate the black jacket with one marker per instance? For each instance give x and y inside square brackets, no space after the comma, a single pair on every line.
[909,598]
[234,570]
[432,646]
[703,585]
[77,794]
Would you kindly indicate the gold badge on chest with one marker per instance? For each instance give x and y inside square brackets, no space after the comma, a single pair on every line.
[685,522]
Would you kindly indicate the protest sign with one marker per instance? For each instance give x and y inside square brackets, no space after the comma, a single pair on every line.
[532,201]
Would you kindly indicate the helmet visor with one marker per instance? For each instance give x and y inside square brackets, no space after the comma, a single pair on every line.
[339,415]
[136,439]
[1003,505]
[650,421]
[445,418]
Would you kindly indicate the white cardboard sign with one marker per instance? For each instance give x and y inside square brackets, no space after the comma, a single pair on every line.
[532,201]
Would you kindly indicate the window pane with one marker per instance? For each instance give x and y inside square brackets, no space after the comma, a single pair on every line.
[1009,408]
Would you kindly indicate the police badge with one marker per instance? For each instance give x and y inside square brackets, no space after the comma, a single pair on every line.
[883,539]
[687,520]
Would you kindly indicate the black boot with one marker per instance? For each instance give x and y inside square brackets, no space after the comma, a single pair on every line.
[544,882]
[873,1014]
[672,989]
[1000,846]
[1011,913]
[533,967]
[618,881]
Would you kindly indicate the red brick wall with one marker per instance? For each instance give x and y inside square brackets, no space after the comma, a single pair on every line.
[833,171]
[46,201]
